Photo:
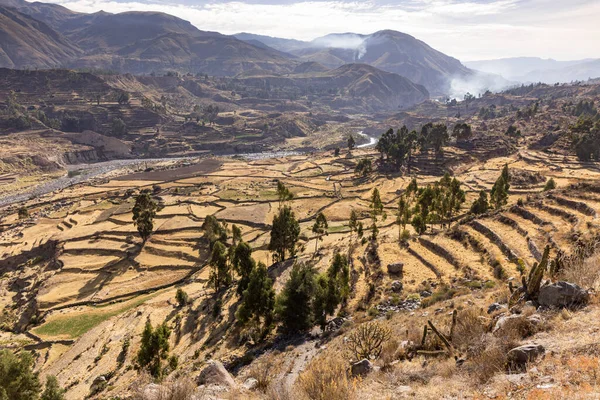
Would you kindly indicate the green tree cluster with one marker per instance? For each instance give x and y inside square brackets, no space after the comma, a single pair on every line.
[437,203]
[154,348]
[499,192]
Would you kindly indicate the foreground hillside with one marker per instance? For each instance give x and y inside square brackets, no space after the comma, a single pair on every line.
[79,284]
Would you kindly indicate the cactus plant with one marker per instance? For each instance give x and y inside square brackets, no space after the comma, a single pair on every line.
[531,284]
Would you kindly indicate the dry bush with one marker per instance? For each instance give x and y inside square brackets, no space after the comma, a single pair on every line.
[389,353]
[581,267]
[366,341]
[491,360]
[180,389]
[469,331]
[264,370]
[326,378]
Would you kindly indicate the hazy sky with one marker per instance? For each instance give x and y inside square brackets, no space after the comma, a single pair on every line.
[465,29]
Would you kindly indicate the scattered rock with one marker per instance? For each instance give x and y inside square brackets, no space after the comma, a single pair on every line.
[425,293]
[250,384]
[334,324]
[397,286]
[395,268]
[216,374]
[563,295]
[519,357]
[362,367]
[494,307]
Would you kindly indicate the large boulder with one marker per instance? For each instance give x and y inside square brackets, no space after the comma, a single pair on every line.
[361,367]
[395,268]
[563,295]
[519,357]
[215,374]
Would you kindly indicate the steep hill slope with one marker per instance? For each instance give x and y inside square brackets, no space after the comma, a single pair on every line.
[135,42]
[351,84]
[26,42]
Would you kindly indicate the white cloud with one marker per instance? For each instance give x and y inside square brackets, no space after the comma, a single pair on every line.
[465,29]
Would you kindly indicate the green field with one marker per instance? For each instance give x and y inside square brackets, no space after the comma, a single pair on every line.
[71,327]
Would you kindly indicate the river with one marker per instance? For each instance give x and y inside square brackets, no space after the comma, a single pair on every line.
[83,172]
[372,140]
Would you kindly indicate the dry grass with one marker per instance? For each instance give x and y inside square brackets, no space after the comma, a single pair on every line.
[180,389]
[263,371]
[326,378]
[581,267]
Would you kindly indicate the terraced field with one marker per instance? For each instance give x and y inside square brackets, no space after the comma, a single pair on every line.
[79,262]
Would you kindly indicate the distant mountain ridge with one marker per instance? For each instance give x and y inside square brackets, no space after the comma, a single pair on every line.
[154,42]
[534,69]
[387,50]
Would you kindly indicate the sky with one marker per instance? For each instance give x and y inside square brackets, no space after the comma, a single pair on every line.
[466,29]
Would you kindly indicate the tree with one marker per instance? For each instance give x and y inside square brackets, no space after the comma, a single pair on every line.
[23,213]
[351,142]
[468,99]
[434,136]
[284,234]
[480,205]
[499,192]
[283,193]
[353,222]
[294,305]
[53,391]
[550,185]
[319,229]
[376,209]
[154,348]
[364,167]
[258,299]
[236,234]
[144,212]
[213,230]
[586,139]
[220,274]
[462,132]
[243,264]
[118,127]
[182,297]
[333,288]
[404,214]
[123,98]
[18,381]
